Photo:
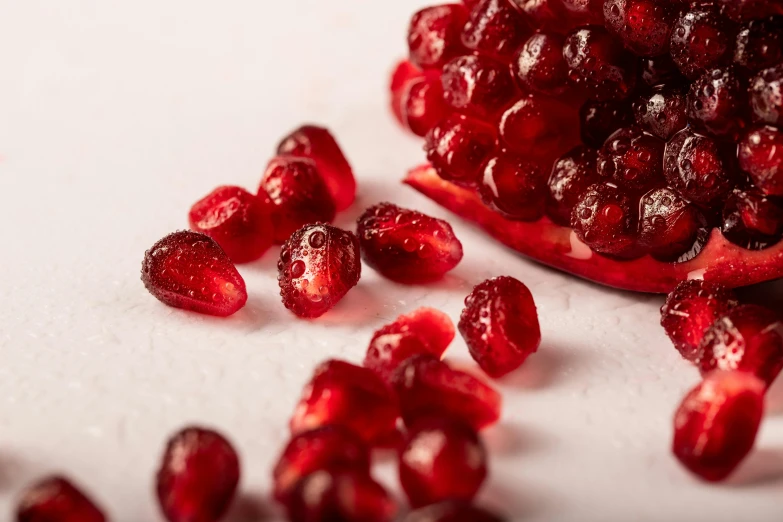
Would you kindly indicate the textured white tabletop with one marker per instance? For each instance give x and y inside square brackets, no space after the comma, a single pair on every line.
[116,115]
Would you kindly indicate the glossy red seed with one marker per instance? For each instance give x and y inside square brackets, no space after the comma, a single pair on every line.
[761,155]
[760,44]
[669,225]
[407,246]
[500,325]
[477,86]
[452,511]
[350,396]
[434,35]
[318,265]
[663,111]
[632,159]
[428,387]
[423,331]
[441,459]
[571,176]
[239,221]
[545,15]
[402,75]
[605,219]
[514,187]
[538,126]
[56,499]
[690,309]
[422,104]
[539,65]
[458,147]
[329,448]
[659,70]
[583,12]
[495,28]
[197,477]
[717,102]
[701,40]
[600,119]
[644,26]
[752,220]
[340,496]
[598,63]
[766,96]
[715,426]
[189,270]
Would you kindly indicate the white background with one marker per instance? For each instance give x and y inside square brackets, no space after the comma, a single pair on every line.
[116,115]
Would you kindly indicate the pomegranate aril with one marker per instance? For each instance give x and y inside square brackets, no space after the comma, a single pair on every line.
[539,65]
[545,15]
[189,270]
[690,309]
[318,265]
[477,86]
[329,447]
[605,219]
[495,28]
[743,10]
[662,111]
[355,398]
[644,26]
[422,104]
[717,102]
[441,459]
[572,174]
[403,74]
[197,477]
[423,331]
[434,35]
[600,119]
[760,44]
[407,246]
[237,220]
[318,144]
[702,39]
[766,96]
[452,511]
[761,155]
[751,220]
[660,70]
[669,226]
[715,426]
[56,499]
[500,325]
[582,12]
[298,194]
[458,147]
[538,126]
[428,387]
[514,187]
[632,159]
[598,63]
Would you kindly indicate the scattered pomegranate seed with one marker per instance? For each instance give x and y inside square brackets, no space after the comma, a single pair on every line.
[441,459]
[477,86]
[644,26]
[715,426]
[539,65]
[427,387]
[571,176]
[495,28]
[669,226]
[298,194]
[539,126]
[238,220]
[514,187]
[402,75]
[458,147]
[452,511]
[632,159]
[434,35]
[422,104]
[702,39]
[663,111]
[350,396]
[425,330]
[198,476]
[598,64]
[318,144]
[546,15]
[500,325]
[584,12]
[600,119]
[766,95]
[329,448]
[56,499]
[717,102]
[760,44]
[761,155]
[605,219]
[189,270]
[407,246]
[752,220]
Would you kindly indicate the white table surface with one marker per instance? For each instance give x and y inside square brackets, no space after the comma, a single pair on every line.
[116,115]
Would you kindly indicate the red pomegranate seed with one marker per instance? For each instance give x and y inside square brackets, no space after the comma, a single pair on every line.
[749,338]
[402,75]
[583,12]
[663,111]
[495,28]
[766,95]
[760,44]
[434,35]
[329,448]
[189,270]
[298,193]
[717,102]
[452,511]
[660,70]
[318,265]
[427,387]
[56,499]
[423,331]
[539,65]
[198,475]
[701,40]
[715,426]
[477,86]
[514,187]
[407,246]
[422,104]
[644,26]
[669,225]
[761,155]
[458,147]
[751,220]
[599,64]
[632,159]
[571,176]
[350,396]
[238,220]
[605,219]
[546,15]
[600,119]
[743,10]
[318,144]
[340,496]
[500,325]
[441,459]
[539,126]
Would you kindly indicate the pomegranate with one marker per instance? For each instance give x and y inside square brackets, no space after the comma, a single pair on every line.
[56,499]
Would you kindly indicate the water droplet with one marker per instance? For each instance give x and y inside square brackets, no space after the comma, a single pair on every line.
[298,268]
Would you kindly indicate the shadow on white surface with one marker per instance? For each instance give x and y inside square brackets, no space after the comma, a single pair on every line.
[763,466]
[516,501]
[251,508]
[546,367]
[507,439]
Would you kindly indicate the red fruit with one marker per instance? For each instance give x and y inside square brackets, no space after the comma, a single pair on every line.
[514,187]
[500,325]
[298,194]
[766,95]
[539,65]
[340,496]
[582,12]
[748,338]
[751,220]
[717,102]
[423,331]
[495,28]
[761,155]
[538,126]
[701,40]
[422,104]
[441,459]
[403,74]
[571,176]
[760,44]
[452,511]
[690,310]
[644,26]
[546,15]
[477,86]
[350,396]
[742,10]
[662,111]
[328,448]
[600,119]
[598,63]
[318,144]
[632,159]
[670,227]
[659,70]
[458,147]
[237,220]
[55,499]
[318,265]
[434,35]
[407,246]
[198,475]
[427,387]
[715,426]
[605,219]
[189,270]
